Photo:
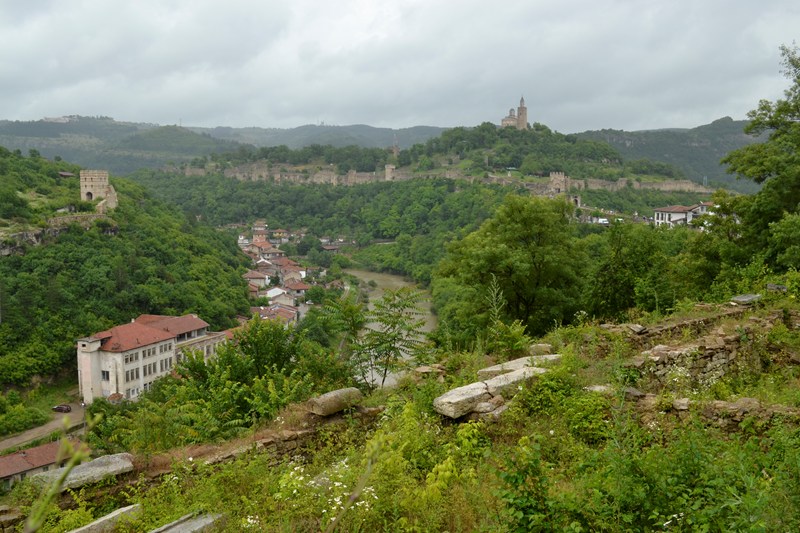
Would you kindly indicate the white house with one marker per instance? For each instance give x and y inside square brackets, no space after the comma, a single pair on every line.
[676,215]
[125,360]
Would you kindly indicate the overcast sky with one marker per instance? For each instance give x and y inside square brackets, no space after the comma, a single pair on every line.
[580,64]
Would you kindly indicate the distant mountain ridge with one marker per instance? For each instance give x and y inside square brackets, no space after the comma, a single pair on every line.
[338,136]
[696,151]
[123,147]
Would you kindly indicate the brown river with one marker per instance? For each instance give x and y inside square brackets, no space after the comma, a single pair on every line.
[390,281]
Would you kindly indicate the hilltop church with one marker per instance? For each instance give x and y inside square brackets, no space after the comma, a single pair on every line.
[516,119]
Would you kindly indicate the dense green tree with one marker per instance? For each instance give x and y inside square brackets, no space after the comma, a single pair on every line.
[775,163]
[530,248]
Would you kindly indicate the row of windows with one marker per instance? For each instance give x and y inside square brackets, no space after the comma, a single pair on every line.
[147,352]
[131,374]
[165,364]
[149,368]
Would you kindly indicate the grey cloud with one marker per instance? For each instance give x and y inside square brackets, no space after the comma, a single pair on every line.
[580,64]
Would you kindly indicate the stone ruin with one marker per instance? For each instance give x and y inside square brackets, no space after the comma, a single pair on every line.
[486,399]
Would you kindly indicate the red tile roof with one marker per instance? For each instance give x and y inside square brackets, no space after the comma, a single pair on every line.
[146,330]
[283,313]
[174,324]
[674,209]
[297,286]
[130,336]
[30,459]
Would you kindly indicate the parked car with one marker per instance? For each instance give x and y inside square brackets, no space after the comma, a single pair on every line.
[62,408]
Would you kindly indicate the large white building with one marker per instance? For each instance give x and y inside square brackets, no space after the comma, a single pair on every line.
[125,360]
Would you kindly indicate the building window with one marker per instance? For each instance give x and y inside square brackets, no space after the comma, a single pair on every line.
[105,375]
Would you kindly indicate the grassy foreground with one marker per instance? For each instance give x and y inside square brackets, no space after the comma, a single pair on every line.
[559,459]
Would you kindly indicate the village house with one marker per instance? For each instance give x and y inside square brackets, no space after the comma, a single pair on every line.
[297,289]
[677,215]
[279,236]
[259,279]
[278,295]
[264,251]
[284,314]
[17,466]
[125,360]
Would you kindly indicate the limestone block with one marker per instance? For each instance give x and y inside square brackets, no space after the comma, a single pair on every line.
[745,299]
[334,401]
[508,384]
[605,390]
[460,401]
[108,522]
[680,404]
[91,472]
[192,523]
[484,407]
[540,349]
[516,364]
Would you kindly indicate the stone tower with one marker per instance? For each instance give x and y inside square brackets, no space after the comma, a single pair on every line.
[95,186]
[522,115]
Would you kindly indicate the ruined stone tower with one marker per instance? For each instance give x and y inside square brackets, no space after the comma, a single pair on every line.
[95,186]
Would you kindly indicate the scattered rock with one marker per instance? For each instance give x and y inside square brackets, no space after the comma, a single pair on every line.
[540,349]
[680,404]
[745,299]
[516,364]
[484,407]
[109,521]
[507,384]
[637,329]
[334,401]
[462,400]
[497,401]
[605,390]
[634,394]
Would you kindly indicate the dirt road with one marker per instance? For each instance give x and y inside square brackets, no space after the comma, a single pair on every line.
[75,419]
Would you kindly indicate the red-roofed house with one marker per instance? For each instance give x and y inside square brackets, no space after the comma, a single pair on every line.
[297,288]
[283,313]
[17,466]
[127,359]
[256,278]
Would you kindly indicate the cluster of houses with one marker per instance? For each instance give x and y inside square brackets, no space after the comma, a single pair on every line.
[275,277]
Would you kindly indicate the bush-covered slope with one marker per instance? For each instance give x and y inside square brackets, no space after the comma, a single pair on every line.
[146,259]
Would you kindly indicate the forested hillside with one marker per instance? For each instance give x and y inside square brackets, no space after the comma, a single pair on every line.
[144,258]
[696,151]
